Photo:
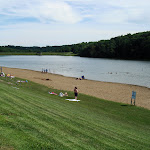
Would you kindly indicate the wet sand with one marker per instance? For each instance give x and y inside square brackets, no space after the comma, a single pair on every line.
[110,91]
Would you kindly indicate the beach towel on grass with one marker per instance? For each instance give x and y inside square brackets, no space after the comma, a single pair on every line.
[73,100]
[52,93]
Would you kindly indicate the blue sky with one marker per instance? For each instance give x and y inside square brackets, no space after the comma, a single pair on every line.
[61,22]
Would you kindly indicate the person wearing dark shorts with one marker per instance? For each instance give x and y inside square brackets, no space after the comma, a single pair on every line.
[76,92]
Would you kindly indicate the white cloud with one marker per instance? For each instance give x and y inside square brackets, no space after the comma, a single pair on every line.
[43,10]
[58,22]
[74,11]
[44,34]
[129,11]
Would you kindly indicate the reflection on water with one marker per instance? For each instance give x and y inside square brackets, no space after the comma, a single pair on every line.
[109,70]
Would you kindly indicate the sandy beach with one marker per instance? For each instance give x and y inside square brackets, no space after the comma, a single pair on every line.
[110,91]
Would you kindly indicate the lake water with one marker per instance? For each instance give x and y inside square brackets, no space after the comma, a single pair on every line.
[109,70]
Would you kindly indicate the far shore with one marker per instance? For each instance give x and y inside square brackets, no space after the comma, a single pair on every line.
[40,54]
[105,90]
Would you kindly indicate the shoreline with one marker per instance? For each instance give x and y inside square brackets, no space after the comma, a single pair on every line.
[117,92]
[95,80]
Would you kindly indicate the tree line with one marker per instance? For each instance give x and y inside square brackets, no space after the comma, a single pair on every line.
[135,46]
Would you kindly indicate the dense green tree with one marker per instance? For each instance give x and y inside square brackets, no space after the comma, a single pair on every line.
[136,46]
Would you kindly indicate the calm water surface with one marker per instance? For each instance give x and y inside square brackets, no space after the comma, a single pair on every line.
[109,70]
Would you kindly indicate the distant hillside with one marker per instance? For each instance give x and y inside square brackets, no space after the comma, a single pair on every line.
[136,46]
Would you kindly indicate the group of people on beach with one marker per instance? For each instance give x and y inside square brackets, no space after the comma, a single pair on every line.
[75,89]
[80,78]
[44,70]
[62,95]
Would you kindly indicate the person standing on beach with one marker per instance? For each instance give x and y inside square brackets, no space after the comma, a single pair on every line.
[76,92]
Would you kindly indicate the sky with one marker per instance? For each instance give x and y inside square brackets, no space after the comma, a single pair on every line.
[63,22]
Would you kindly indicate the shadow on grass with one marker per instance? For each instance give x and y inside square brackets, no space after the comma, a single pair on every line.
[124,105]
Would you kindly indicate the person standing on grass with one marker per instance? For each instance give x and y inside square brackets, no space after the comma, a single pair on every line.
[76,92]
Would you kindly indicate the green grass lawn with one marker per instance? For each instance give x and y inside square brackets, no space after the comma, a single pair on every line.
[30,118]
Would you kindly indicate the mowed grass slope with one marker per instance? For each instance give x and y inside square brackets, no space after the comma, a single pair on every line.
[30,118]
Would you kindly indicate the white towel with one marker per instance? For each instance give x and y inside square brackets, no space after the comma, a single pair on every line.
[73,100]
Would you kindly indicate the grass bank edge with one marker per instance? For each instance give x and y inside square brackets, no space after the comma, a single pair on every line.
[81,95]
[36,85]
